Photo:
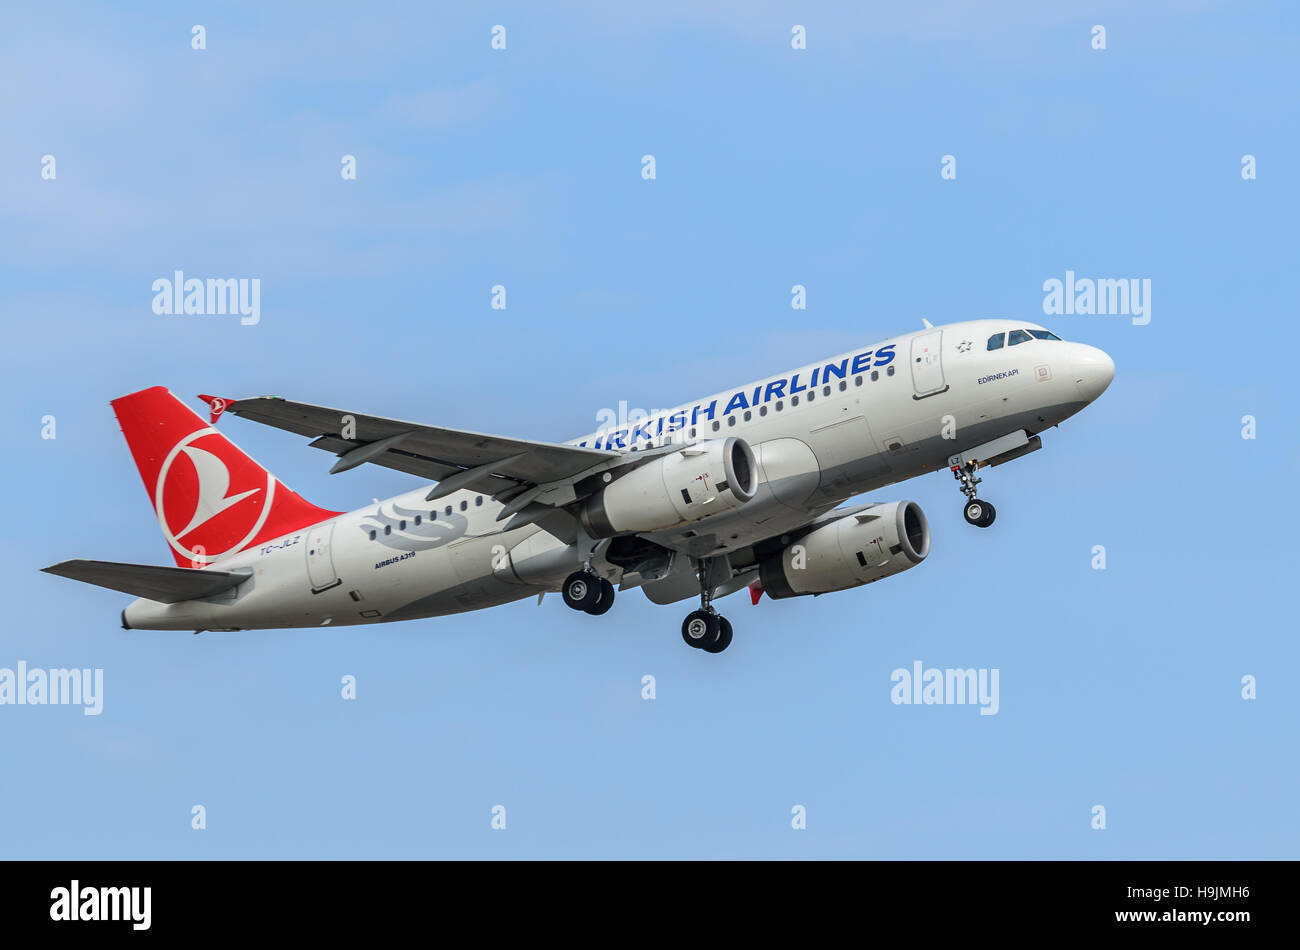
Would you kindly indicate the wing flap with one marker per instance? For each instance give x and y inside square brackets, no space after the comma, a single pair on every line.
[166,585]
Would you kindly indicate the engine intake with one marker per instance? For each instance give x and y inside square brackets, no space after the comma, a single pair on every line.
[856,549]
[691,484]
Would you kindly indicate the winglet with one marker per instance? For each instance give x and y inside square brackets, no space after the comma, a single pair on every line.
[755,592]
[216,406]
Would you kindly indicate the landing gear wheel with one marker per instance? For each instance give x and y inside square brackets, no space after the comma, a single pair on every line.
[581,590]
[606,599]
[724,636]
[980,513]
[700,629]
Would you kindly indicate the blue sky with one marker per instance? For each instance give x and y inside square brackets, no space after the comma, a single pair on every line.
[522,167]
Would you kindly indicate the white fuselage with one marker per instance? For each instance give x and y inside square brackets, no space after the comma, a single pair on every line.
[879,415]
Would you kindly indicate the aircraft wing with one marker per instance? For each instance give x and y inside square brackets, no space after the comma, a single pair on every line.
[518,472]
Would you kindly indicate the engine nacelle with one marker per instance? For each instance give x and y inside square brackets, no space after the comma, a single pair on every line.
[691,484]
[856,549]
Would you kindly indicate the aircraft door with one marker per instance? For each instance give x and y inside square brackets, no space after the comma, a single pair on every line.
[927,364]
[320,558]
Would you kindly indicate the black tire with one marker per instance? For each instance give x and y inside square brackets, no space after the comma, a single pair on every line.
[974,512]
[581,590]
[989,514]
[724,636]
[605,601]
[700,629]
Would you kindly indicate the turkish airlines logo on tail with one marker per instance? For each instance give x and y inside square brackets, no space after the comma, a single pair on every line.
[214,488]
[210,502]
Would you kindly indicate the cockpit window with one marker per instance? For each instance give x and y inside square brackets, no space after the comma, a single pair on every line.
[1045,335]
[996,340]
[1018,336]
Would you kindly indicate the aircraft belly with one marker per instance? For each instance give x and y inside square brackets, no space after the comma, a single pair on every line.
[930,451]
[486,591]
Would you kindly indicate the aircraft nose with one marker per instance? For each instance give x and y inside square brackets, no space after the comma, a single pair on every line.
[1093,371]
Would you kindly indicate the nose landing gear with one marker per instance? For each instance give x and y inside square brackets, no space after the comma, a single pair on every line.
[977,512]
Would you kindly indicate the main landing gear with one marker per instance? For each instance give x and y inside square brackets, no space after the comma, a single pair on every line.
[588,592]
[977,512]
[706,629]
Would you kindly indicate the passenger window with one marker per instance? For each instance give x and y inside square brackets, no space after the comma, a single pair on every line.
[890,371]
[731,420]
[779,405]
[748,415]
[857,380]
[875,375]
[996,341]
[388,529]
[448,509]
[1044,335]
[794,400]
[372,535]
[478,500]
[762,410]
[844,385]
[692,433]
[1018,336]
[464,505]
[417,520]
[812,394]
[401,525]
[716,425]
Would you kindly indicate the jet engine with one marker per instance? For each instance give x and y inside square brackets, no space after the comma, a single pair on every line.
[691,484]
[856,549]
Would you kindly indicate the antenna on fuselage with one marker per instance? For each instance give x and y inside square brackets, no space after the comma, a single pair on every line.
[928,324]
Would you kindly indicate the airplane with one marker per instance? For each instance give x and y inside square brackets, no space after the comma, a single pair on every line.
[745,488]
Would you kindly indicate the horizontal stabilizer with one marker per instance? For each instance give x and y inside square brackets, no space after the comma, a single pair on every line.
[166,585]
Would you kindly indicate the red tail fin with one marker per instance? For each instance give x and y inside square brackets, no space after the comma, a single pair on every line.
[211,499]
